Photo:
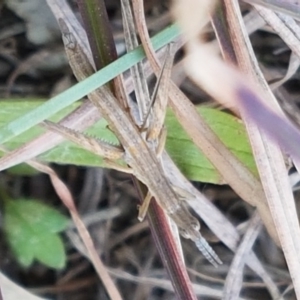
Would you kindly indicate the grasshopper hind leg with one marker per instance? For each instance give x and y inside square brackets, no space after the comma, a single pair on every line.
[143,209]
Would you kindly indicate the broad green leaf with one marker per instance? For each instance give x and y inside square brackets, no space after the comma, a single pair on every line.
[232,133]
[23,170]
[192,161]
[31,229]
[12,109]
[186,155]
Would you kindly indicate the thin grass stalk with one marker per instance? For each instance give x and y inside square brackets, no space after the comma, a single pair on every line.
[167,249]
[159,225]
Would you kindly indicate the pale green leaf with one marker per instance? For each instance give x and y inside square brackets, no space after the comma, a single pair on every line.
[51,251]
[31,228]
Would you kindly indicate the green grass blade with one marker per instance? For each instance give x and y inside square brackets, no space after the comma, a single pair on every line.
[83,88]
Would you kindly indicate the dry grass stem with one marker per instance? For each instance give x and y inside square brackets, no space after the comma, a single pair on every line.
[268,155]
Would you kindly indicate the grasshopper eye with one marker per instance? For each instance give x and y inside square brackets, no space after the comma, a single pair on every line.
[184,233]
[195,224]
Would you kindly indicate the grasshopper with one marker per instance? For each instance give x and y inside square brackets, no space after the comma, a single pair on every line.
[139,154]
